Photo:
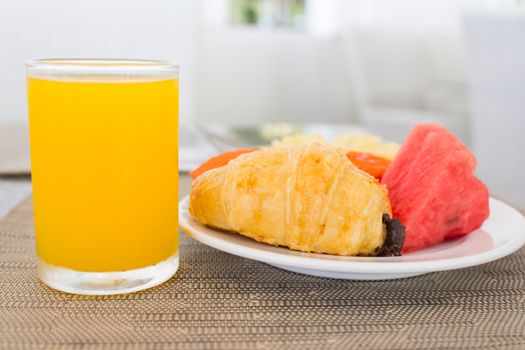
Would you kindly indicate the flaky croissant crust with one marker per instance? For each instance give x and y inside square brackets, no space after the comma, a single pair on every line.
[309,198]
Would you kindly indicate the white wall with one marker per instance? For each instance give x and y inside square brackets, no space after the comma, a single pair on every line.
[495,44]
[227,75]
[160,29]
[409,50]
[247,75]
[252,76]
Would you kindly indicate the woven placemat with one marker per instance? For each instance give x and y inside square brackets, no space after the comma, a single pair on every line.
[220,301]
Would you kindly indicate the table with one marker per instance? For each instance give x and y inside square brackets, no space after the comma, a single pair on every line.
[220,301]
[12,190]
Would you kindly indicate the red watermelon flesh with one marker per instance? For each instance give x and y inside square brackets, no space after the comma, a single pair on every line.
[432,188]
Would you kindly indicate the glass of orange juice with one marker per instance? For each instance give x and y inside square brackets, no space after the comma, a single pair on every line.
[104,165]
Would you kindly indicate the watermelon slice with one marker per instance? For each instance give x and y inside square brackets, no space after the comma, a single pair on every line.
[432,188]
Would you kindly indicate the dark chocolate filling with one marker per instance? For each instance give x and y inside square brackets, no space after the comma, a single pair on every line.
[395,237]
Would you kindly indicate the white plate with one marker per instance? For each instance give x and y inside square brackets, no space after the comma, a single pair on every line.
[502,234]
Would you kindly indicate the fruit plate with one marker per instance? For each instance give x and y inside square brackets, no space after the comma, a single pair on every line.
[502,234]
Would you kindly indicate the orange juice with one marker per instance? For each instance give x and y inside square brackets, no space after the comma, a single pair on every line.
[104,171]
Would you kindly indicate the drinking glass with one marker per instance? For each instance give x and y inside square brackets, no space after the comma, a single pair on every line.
[104,167]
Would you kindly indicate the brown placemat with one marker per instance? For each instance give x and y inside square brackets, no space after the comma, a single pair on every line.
[220,301]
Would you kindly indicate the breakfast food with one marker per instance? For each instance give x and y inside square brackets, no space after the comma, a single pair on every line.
[369,163]
[347,142]
[298,140]
[366,144]
[308,198]
[220,160]
[432,188]
[373,165]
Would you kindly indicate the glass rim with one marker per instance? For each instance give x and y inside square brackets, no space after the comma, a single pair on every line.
[101,63]
[100,67]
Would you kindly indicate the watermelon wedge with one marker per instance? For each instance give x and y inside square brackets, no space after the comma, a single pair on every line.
[432,188]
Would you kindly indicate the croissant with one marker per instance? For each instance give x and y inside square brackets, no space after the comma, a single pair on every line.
[309,198]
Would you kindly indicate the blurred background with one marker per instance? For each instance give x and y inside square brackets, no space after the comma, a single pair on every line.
[377,66]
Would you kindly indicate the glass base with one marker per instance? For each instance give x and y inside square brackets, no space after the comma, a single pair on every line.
[107,283]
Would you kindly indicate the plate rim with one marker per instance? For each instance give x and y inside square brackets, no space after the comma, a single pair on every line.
[392,266]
